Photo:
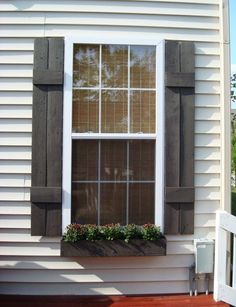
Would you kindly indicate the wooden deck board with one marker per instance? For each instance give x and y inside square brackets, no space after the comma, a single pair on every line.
[105,301]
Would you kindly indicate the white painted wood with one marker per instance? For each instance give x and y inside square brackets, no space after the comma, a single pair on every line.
[207,127]
[206,193]
[204,220]
[206,206]
[29,249]
[94,288]
[207,113]
[16,71]
[17,208]
[207,140]
[16,84]
[202,153]
[15,139]
[210,74]
[234,262]
[14,194]
[208,61]
[38,263]
[205,87]
[207,100]
[225,223]
[8,44]
[16,57]
[136,7]
[22,98]
[14,221]
[15,111]
[207,180]
[11,124]
[15,153]
[15,180]
[95,275]
[207,167]
[207,48]
[15,166]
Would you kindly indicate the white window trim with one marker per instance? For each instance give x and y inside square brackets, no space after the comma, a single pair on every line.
[67,119]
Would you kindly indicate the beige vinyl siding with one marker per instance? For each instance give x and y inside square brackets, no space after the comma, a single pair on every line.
[32,265]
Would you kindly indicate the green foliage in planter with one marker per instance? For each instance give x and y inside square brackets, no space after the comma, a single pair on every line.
[78,232]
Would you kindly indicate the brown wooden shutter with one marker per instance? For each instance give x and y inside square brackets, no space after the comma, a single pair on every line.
[179,137]
[46,190]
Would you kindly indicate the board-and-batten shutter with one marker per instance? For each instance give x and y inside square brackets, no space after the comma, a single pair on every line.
[179,137]
[46,190]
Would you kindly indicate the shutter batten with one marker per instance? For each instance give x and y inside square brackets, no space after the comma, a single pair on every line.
[179,137]
[46,188]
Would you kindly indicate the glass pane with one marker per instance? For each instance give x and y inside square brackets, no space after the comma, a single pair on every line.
[84,203]
[113,160]
[114,111]
[143,111]
[114,66]
[141,203]
[142,160]
[113,203]
[86,65]
[84,160]
[143,66]
[85,110]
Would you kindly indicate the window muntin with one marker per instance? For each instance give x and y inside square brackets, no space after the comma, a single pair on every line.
[113,180]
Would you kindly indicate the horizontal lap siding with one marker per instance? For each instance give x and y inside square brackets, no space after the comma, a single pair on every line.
[195,20]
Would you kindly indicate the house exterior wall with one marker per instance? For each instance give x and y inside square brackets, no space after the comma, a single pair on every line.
[32,265]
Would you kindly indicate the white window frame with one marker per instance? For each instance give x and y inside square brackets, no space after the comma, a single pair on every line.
[91,38]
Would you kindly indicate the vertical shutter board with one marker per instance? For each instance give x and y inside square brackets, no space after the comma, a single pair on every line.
[38,219]
[179,103]
[46,217]
[187,139]
[54,135]
[54,119]
[53,223]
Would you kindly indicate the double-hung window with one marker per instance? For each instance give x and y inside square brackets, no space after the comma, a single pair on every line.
[113,142]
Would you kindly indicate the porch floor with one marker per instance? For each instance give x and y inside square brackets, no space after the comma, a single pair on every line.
[105,301]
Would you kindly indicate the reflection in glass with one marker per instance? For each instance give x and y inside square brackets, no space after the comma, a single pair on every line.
[86,65]
[84,160]
[114,111]
[141,203]
[114,66]
[85,111]
[143,111]
[84,203]
[141,160]
[113,203]
[143,66]
[113,160]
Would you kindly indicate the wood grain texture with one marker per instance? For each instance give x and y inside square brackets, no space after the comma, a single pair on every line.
[114,301]
[179,137]
[47,136]
[116,248]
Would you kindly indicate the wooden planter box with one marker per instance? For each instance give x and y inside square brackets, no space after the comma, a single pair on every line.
[104,248]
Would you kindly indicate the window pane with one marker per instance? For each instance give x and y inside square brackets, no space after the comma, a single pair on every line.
[114,111]
[85,160]
[142,160]
[86,65]
[113,203]
[85,110]
[143,66]
[143,111]
[114,66]
[113,160]
[84,203]
[141,203]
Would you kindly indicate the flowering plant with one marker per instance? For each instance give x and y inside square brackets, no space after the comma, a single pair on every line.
[78,232]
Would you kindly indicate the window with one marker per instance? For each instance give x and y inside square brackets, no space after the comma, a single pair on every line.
[112,165]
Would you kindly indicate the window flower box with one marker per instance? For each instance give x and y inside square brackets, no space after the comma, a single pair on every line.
[112,240]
